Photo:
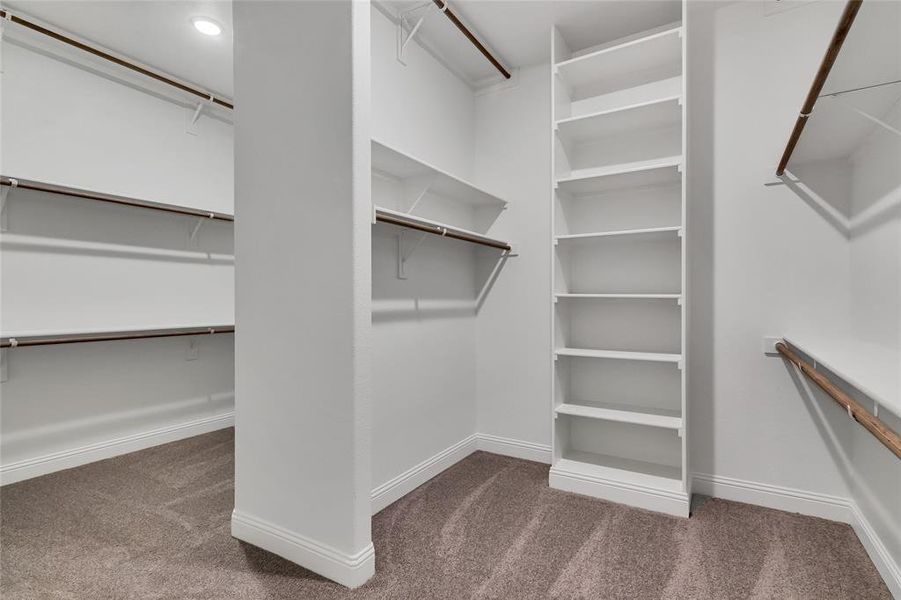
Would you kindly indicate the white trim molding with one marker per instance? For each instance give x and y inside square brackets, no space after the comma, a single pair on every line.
[515,448]
[396,488]
[350,570]
[82,455]
[878,553]
[834,508]
[663,501]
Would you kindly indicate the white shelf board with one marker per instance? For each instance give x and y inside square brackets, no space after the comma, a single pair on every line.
[623,413]
[873,369]
[653,51]
[620,355]
[564,296]
[649,231]
[621,470]
[645,173]
[403,166]
[654,114]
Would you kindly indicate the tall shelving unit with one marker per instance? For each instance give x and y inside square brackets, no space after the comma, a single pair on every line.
[619,271]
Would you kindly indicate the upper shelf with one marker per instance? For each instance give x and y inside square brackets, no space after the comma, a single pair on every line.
[873,369]
[654,114]
[661,52]
[403,166]
[646,232]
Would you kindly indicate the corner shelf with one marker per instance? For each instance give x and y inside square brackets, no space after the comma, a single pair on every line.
[622,413]
[399,165]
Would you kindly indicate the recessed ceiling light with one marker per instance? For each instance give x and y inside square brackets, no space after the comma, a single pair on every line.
[206,26]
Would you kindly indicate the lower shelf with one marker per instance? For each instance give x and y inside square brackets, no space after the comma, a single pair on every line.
[666,419]
[633,482]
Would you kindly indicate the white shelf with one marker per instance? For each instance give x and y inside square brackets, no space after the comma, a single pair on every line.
[645,173]
[621,470]
[873,369]
[649,231]
[563,296]
[660,51]
[620,355]
[622,413]
[402,166]
[655,114]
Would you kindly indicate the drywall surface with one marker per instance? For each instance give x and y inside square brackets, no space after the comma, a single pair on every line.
[423,327]
[750,276]
[420,108]
[77,265]
[514,327]
[767,261]
[302,469]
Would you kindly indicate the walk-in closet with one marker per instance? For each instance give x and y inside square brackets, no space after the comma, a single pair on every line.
[457,299]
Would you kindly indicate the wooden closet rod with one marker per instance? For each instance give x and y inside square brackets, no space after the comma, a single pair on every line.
[111,336]
[86,195]
[838,38]
[442,5]
[889,438]
[4,14]
[442,231]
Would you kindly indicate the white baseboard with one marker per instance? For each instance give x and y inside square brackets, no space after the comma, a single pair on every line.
[879,554]
[398,487]
[350,570]
[671,503]
[74,457]
[515,448]
[834,508]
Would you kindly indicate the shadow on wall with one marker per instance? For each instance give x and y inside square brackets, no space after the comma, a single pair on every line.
[55,223]
[443,278]
[870,470]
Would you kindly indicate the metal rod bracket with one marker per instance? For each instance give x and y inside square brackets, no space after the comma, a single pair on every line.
[406,32]
[4,195]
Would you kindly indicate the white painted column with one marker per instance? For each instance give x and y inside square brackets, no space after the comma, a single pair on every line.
[302,239]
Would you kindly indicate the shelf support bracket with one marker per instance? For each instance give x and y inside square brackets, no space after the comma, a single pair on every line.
[404,254]
[406,32]
[415,189]
[191,126]
[200,221]
[5,191]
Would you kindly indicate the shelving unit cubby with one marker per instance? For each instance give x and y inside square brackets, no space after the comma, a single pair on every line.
[618,246]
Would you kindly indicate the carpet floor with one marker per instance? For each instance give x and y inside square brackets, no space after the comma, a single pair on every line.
[155,524]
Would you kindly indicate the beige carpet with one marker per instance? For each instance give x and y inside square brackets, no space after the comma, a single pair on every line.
[155,524]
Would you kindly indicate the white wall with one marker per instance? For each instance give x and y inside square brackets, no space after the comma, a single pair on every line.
[763,262]
[77,265]
[513,342]
[424,343]
[302,355]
